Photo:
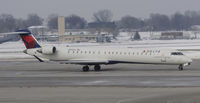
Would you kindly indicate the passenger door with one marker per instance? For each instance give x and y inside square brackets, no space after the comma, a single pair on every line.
[163,58]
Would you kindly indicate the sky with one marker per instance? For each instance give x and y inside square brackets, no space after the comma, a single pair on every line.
[86,8]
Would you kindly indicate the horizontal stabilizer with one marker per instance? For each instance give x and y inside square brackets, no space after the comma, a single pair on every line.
[38,58]
[14,33]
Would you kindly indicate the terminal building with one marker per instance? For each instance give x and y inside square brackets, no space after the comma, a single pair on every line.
[69,35]
[75,36]
[171,35]
[78,35]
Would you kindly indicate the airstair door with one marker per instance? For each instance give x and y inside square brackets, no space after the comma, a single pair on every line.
[163,58]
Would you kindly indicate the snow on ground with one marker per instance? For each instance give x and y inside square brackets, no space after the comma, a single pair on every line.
[11,50]
[14,56]
[12,46]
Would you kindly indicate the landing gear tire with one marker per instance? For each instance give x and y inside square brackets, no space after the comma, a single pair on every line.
[180,67]
[85,68]
[97,67]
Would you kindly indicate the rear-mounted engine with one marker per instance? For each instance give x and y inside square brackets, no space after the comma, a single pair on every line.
[48,50]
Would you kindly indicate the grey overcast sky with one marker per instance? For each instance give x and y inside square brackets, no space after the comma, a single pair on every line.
[86,8]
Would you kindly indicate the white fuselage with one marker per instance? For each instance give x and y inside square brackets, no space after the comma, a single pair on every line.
[114,55]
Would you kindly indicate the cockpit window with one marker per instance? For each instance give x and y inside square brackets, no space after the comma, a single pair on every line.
[176,53]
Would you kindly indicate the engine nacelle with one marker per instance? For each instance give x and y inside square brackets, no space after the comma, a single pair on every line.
[48,50]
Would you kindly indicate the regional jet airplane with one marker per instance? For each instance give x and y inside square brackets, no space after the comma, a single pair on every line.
[96,56]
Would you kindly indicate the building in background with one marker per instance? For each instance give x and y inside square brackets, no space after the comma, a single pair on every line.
[85,36]
[171,35]
[196,31]
[77,35]
[61,28]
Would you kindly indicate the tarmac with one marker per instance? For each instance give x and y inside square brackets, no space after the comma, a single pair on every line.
[28,81]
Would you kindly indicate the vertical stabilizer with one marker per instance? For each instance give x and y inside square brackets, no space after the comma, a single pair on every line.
[28,39]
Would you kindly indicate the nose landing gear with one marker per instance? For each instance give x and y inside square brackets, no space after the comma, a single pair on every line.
[180,67]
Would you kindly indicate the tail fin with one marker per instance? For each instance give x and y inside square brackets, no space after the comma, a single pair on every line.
[28,39]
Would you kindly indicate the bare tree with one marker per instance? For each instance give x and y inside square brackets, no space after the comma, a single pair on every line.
[103,16]
[129,22]
[34,20]
[192,18]
[7,23]
[159,22]
[52,21]
[21,24]
[177,21]
[75,22]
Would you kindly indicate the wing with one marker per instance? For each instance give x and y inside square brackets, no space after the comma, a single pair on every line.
[85,61]
[77,61]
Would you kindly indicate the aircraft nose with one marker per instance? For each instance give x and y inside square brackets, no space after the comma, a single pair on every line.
[189,60]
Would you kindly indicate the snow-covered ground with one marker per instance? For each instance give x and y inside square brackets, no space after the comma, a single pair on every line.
[126,36]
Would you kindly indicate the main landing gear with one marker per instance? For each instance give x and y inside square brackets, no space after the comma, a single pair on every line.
[180,67]
[85,68]
[96,68]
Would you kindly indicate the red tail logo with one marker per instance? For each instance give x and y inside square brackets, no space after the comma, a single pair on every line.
[29,40]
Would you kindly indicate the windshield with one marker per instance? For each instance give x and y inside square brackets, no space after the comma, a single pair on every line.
[176,53]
